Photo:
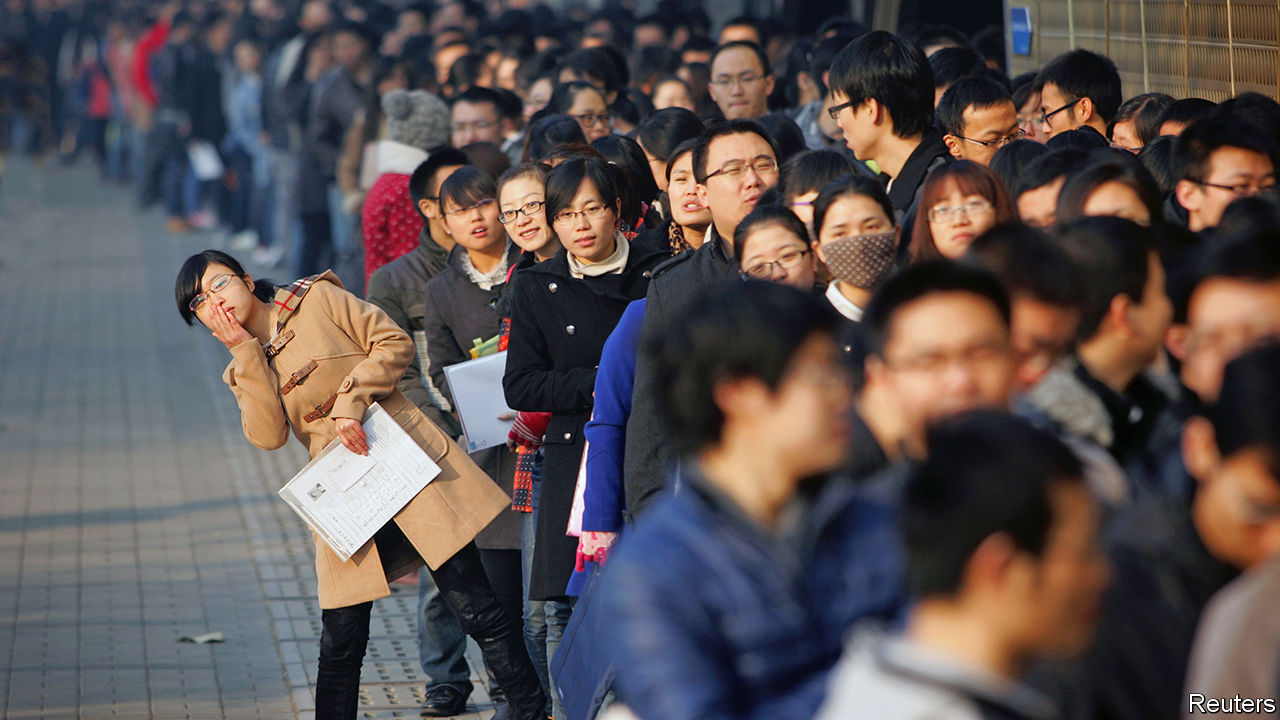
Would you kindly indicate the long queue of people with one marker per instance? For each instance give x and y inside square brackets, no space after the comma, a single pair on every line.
[878,385]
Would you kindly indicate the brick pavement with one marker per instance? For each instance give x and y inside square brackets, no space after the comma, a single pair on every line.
[132,511]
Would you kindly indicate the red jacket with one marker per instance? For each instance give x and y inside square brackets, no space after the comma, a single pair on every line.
[390,222]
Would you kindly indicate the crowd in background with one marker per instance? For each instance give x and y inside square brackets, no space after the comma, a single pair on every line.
[850,377]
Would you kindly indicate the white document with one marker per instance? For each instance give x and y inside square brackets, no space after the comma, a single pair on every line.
[206,164]
[345,498]
[481,404]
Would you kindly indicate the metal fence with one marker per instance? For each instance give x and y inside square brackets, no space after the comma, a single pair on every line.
[1214,50]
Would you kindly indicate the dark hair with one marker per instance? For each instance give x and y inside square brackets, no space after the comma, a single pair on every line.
[1144,110]
[920,280]
[638,187]
[533,169]
[426,170]
[632,106]
[1084,138]
[730,330]
[1247,252]
[857,185]
[810,171]
[1196,145]
[1104,167]
[1012,160]
[569,151]
[653,61]
[970,92]
[564,94]
[662,131]
[477,95]
[750,21]
[374,115]
[192,272]
[894,72]
[1082,73]
[1023,86]
[1029,263]
[1248,216]
[759,53]
[987,473]
[1256,108]
[1046,169]
[927,34]
[953,63]
[1112,254]
[510,106]
[564,180]
[969,177]
[1185,111]
[548,132]
[721,129]
[465,72]
[1157,157]
[468,186]
[788,140]
[821,55]
[598,63]
[763,215]
[688,146]
[989,42]
[1246,415]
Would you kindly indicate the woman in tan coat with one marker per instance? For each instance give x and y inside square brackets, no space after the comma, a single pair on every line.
[310,358]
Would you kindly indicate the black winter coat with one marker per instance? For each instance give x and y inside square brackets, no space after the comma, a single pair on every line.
[559,325]
[455,313]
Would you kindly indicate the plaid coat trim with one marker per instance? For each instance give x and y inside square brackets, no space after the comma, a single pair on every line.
[289,296]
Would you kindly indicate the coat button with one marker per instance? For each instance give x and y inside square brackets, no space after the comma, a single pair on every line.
[553,287]
[646,274]
[568,436]
[570,329]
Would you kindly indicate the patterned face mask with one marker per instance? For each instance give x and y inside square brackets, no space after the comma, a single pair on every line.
[863,261]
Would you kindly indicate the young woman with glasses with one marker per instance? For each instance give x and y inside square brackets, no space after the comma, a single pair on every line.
[585,103]
[958,202]
[563,310]
[309,359]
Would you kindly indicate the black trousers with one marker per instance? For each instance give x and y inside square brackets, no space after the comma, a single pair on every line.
[465,588]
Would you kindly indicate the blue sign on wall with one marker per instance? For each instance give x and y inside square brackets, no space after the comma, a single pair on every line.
[1020,30]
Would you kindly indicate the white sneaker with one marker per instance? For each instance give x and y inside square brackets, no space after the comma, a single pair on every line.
[243,241]
[268,256]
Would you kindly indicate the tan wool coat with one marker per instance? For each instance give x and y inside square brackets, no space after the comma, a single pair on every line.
[333,355]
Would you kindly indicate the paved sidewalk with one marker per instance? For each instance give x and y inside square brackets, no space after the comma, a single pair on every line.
[132,510]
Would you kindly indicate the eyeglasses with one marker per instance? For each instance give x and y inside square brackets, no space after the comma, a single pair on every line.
[530,209]
[998,142]
[590,119]
[834,110]
[1044,117]
[481,206]
[738,170]
[944,213]
[981,355]
[742,80]
[591,212]
[1265,183]
[473,125]
[219,284]
[764,270]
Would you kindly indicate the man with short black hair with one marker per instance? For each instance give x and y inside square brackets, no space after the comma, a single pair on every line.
[882,88]
[741,80]
[1220,159]
[734,163]
[743,28]
[1102,395]
[1001,543]
[476,115]
[1078,88]
[1036,193]
[952,64]
[977,118]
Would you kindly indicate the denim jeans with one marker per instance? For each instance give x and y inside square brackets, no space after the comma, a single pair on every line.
[441,643]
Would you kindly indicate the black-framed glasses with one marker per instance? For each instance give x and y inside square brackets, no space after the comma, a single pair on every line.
[834,110]
[787,260]
[743,80]
[530,209]
[481,206]
[738,170]
[1263,184]
[998,142]
[1044,117]
[590,119]
[219,284]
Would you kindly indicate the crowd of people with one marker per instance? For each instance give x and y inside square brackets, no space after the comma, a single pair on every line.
[848,376]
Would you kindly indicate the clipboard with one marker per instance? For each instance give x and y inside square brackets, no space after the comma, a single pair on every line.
[480,401]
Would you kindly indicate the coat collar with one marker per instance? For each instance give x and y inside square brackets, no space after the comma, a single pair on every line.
[930,152]
[289,297]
